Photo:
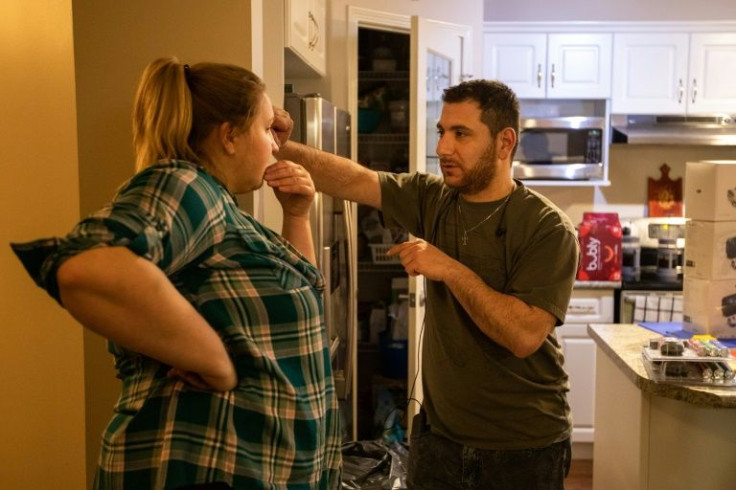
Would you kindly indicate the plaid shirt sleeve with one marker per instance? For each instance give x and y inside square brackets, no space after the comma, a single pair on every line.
[164,214]
[279,428]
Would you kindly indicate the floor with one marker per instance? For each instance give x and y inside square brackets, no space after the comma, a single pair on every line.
[581,475]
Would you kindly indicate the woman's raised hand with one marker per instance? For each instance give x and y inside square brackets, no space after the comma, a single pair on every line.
[293,187]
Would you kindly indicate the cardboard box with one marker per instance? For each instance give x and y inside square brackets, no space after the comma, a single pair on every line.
[710,190]
[709,307]
[710,251]
[601,247]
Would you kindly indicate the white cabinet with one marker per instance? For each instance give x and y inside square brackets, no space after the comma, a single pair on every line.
[712,73]
[674,73]
[579,351]
[555,65]
[656,437]
[586,306]
[305,38]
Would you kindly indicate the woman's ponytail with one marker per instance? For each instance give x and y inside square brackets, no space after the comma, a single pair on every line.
[162,114]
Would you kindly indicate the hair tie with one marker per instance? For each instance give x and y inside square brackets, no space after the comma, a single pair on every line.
[186,72]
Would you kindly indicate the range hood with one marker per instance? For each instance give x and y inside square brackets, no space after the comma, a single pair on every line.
[674,130]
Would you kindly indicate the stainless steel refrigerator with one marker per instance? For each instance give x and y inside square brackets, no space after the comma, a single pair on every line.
[318,123]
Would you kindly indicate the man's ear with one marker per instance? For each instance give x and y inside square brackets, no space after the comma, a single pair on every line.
[505,143]
[226,137]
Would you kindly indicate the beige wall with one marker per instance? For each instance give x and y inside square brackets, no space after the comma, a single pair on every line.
[63,151]
[41,357]
[620,10]
[113,43]
[630,167]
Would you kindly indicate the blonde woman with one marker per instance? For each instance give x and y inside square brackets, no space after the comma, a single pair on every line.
[215,321]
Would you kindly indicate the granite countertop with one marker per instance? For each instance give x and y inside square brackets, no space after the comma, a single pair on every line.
[623,344]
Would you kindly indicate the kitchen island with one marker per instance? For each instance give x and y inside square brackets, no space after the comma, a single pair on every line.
[657,435]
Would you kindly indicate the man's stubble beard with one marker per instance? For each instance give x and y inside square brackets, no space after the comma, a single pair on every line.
[480,176]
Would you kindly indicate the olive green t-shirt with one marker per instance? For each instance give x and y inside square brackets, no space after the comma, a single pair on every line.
[476,392]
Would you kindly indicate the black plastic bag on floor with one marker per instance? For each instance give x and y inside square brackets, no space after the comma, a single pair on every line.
[374,465]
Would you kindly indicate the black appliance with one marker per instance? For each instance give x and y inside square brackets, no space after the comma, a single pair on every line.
[728,307]
[731,250]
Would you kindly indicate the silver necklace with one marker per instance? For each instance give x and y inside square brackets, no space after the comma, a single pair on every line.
[492,213]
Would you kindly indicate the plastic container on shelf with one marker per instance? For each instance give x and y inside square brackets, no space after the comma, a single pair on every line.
[378,254]
[368,120]
[399,114]
[383,59]
[394,356]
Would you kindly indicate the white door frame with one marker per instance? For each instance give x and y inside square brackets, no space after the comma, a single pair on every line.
[374,19]
[360,17]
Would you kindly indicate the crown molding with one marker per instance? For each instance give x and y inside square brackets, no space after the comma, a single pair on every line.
[613,27]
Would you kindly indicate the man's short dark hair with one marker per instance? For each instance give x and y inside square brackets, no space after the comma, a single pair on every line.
[498,103]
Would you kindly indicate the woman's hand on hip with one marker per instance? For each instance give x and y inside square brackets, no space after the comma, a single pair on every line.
[203,382]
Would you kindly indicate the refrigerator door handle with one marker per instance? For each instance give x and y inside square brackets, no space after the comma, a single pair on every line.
[318,230]
[327,295]
[351,272]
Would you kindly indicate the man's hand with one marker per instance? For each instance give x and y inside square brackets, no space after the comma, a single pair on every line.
[282,126]
[419,257]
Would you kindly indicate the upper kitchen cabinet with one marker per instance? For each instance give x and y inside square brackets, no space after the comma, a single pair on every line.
[674,73]
[712,71]
[305,38]
[550,65]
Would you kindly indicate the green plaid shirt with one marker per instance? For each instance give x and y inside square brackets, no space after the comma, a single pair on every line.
[279,428]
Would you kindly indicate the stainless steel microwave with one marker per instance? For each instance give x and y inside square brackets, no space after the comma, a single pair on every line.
[560,148]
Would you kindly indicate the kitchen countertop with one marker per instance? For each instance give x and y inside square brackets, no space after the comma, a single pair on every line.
[649,281]
[623,344]
[597,284]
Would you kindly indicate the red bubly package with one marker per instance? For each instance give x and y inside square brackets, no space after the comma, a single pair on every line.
[601,249]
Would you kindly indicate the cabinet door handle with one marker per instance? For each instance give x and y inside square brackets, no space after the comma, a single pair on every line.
[695,90]
[315,38]
[682,92]
[552,76]
[539,75]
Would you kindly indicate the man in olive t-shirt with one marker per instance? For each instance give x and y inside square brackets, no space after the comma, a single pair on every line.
[500,262]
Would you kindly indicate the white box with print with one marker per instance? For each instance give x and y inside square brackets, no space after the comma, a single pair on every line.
[711,249]
[709,307]
[710,190]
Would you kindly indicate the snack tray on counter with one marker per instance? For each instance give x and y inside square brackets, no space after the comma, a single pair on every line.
[689,368]
[688,355]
